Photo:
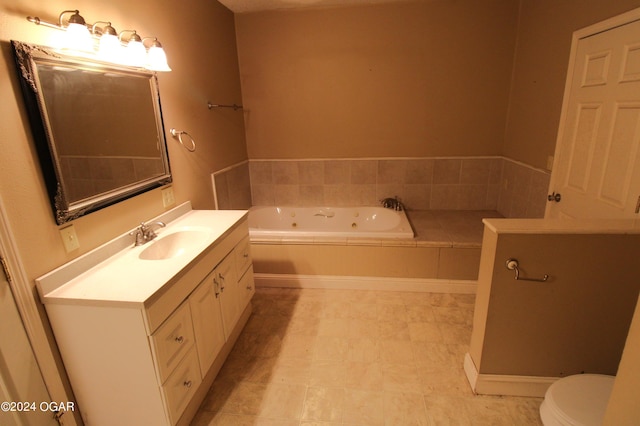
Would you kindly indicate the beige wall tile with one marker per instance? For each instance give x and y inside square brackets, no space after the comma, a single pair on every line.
[447,171]
[337,172]
[419,171]
[363,172]
[311,172]
[261,172]
[475,171]
[285,172]
[391,171]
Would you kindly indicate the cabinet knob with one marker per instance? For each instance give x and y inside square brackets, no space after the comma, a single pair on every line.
[179,339]
[187,383]
[245,255]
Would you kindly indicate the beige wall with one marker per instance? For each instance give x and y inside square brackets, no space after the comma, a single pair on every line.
[418,79]
[540,68]
[414,79]
[575,322]
[200,43]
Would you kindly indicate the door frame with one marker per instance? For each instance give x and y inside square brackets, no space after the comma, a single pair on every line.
[600,27]
[36,332]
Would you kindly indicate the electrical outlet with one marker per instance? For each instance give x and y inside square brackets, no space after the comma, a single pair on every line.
[69,238]
[167,197]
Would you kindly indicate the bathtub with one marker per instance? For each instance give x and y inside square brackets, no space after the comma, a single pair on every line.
[314,222]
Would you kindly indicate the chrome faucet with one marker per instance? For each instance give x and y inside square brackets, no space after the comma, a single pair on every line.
[145,233]
[392,203]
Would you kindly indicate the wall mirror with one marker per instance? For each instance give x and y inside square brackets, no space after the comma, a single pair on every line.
[97,128]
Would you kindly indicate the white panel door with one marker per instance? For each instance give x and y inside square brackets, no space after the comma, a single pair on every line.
[597,168]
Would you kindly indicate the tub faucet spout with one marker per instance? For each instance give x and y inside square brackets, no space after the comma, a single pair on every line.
[392,203]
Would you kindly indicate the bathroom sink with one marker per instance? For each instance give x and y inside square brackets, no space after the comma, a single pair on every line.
[174,244]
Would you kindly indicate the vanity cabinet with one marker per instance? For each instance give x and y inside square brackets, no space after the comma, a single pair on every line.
[153,362]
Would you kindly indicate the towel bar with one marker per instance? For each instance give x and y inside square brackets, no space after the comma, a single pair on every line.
[512,265]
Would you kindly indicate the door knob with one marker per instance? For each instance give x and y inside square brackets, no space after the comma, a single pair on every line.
[554,197]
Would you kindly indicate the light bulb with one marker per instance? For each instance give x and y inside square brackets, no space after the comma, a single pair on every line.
[110,48]
[157,58]
[77,37]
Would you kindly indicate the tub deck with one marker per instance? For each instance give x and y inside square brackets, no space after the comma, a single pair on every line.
[449,228]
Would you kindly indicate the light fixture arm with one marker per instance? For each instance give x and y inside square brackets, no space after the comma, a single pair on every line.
[38,21]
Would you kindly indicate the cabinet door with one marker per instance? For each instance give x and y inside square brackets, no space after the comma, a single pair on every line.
[207,322]
[227,283]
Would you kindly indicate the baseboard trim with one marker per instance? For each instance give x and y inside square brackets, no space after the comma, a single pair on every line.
[365,283]
[500,384]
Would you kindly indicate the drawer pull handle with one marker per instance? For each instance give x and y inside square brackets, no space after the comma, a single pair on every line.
[249,287]
[245,255]
[187,383]
[179,339]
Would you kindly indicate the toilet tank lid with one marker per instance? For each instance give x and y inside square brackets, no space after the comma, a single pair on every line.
[581,399]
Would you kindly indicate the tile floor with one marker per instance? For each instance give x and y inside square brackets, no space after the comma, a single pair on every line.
[346,357]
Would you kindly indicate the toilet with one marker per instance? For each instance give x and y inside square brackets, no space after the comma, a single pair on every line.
[578,400]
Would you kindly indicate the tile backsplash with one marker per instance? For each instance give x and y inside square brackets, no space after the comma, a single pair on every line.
[464,183]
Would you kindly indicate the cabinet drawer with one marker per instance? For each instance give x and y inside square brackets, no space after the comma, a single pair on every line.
[181,385]
[242,254]
[247,288]
[172,340]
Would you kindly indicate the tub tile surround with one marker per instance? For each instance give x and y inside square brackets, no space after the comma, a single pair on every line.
[232,187]
[465,183]
[347,357]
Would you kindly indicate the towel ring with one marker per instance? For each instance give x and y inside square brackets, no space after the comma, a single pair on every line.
[178,134]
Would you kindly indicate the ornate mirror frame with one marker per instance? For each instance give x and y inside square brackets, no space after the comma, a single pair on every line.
[100,144]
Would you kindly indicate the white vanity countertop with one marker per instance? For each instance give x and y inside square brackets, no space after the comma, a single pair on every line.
[125,279]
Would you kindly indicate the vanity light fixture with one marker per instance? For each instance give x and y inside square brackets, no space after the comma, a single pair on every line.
[105,43]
